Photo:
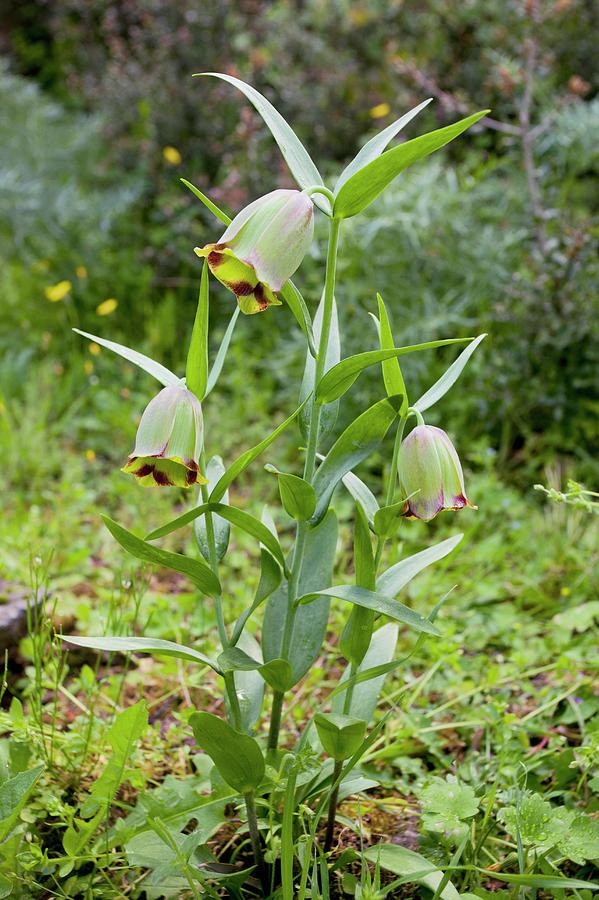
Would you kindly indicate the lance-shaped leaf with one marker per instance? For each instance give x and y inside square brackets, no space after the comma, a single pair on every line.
[449,377]
[362,495]
[371,672]
[208,203]
[356,636]
[237,756]
[359,440]
[380,603]
[214,470]
[341,377]
[395,578]
[249,684]
[364,186]
[160,372]
[294,153]
[375,146]
[239,517]
[297,305]
[143,645]
[196,570]
[328,414]
[297,496]
[243,461]
[196,370]
[386,519]
[310,621]
[221,355]
[392,376]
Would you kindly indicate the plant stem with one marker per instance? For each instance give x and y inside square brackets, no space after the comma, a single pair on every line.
[250,805]
[309,468]
[328,841]
[353,671]
[392,481]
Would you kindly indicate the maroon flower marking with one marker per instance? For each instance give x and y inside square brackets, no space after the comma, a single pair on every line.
[162,478]
[241,288]
[215,259]
[144,470]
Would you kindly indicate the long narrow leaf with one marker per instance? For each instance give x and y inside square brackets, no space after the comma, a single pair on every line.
[294,153]
[160,372]
[214,209]
[341,377]
[239,517]
[297,305]
[449,377]
[196,370]
[222,353]
[243,461]
[394,579]
[142,645]
[196,570]
[375,146]
[380,603]
[392,376]
[364,186]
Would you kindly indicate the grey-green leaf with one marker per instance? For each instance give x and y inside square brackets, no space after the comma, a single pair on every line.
[294,153]
[297,305]
[375,146]
[143,645]
[196,570]
[395,578]
[13,794]
[364,186]
[341,377]
[449,377]
[243,461]
[249,684]
[214,209]
[392,375]
[270,579]
[196,370]
[366,693]
[362,495]
[160,372]
[297,496]
[361,438]
[222,528]
[237,756]
[221,355]
[380,603]
[239,517]
[310,621]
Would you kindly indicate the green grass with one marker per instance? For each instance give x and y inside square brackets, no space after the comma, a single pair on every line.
[505,700]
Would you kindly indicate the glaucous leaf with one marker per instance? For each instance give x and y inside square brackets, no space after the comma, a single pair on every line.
[395,578]
[341,377]
[449,377]
[237,756]
[404,862]
[339,735]
[243,461]
[294,153]
[208,203]
[160,372]
[392,375]
[380,603]
[297,305]
[310,621]
[196,369]
[297,496]
[361,438]
[375,146]
[214,471]
[362,495]
[249,684]
[364,186]
[379,661]
[221,355]
[196,570]
[142,645]
[270,579]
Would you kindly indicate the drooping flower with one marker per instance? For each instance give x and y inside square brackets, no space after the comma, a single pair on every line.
[430,473]
[169,440]
[262,248]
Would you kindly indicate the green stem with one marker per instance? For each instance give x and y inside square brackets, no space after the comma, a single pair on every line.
[328,840]
[250,805]
[353,671]
[309,468]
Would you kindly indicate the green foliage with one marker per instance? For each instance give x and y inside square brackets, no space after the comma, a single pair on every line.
[447,805]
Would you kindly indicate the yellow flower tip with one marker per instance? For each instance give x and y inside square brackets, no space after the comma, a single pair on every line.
[57,292]
[94,349]
[88,367]
[81,272]
[380,111]
[172,156]
[90,455]
[107,307]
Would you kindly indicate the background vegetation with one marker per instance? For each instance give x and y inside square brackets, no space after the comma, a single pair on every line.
[99,118]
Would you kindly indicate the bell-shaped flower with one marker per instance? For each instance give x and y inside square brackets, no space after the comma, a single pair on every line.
[169,440]
[262,248]
[430,473]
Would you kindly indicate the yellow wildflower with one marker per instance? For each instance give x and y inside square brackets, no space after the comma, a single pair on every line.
[56,292]
[380,111]
[107,307]
[94,349]
[172,156]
